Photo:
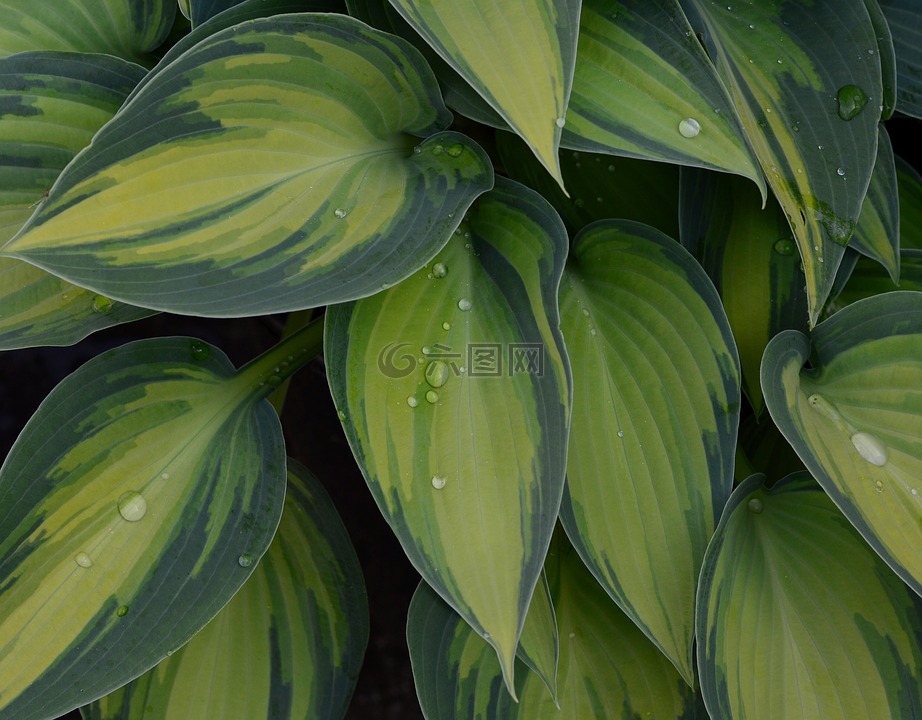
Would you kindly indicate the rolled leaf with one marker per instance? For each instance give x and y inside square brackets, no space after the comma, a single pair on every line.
[495,45]
[798,618]
[656,401]
[288,646]
[645,88]
[811,118]
[855,418]
[539,644]
[905,20]
[453,388]
[280,174]
[134,504]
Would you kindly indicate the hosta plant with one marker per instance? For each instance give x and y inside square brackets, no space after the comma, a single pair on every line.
[617,304]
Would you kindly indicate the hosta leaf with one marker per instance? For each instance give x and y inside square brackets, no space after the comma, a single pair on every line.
[750,255]
[645,88]
[656,401]
[806,80]
[798,618]
[766,450]
[909,182]
[453,387]
[608,669]
[132,507]
[887,53]
[125,28]
[870,278]
[539,644]
[202,11]
[288,645]
[495,45]
[877,234]
[855,417]
[51,103]
[905,20]
[281,174]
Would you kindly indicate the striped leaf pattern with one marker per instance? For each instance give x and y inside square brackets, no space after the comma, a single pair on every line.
[146,487]
[909,184]
[608,669]
[288,646]
[125,28]
[281,172]
[905,20]
[798,618]
[644,87]
[809,111]
[877,234]
[495,45]
[656,403]
[453,388]
[870,278]
[855,418]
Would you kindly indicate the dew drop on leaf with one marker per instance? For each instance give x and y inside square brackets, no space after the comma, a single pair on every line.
[432,397]
[784,247]
[464,304]
[340,213]
[689,128]
[851,101]
[439,270]
[132,506]
[83,560]
[437,373]
[438,481]
[102,304]
[871,448]
[122,611]
[412,401]
[245,561]
[755,506]
[199,350]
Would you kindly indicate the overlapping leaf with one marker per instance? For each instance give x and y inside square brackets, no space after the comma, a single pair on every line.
[798,618]
[909,184]
[453,387]
[905,20]
[644,87]
[608,669]
[870,278]
[877,234]
[656,403]
[855,417]
[497,44]
[134,504]
[126,29]
[270,167]
[287,646]
[806,80]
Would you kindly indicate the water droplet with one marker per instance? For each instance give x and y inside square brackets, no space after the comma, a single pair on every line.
[417,150]
[340,213]
[571,635]
[439,270]
[446,326]
[755,506]
[486,636]
[585,312]
[826,409]
[274,381]
[689,128]
[914,491]
[611,168]
[456,150]
[432,397]
[437,373]
[102,304]
[426,349]
[592,331]
[245,560]
[132,506]
[851,101]
[122,611]
[840,172]
[83,560]
[438,481]
[784,247]
[560,122]
[412,401]
[621,433]
[199,350]
[752,27]
[438,149]
[871,448]
[164,476]
[879,487]
[464,304]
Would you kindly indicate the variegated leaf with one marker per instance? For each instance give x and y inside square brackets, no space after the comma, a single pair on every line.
[134,504]
[608,669]
[644,87]
[282,171]
[539,644]
[877,234]
[905,20]
[495,45]
[798,618]
[806,80]
[909,184]
[288,646]
[126,28]
[453,388]
[656,402]
[870,278]
[855,417]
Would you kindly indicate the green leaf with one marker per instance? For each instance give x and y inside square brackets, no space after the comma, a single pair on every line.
[539,644]
[145,487]
[656,401]
[453,388]
[476,39]
[280,174]
[750,255]
[887,53]
[810,114]
[608,669]
[855,418]
[870,278]
[766,451]
[905,20]
[798,618]
[128,29]
[288,645]
[909,183]
[877,234]
[645,88]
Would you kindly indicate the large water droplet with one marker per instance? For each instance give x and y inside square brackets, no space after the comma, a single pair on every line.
[439,270]
[432,397]
[689,128]
[784,247]
[102,304]
[871,448]
[132,506]
[340,213]
[437,373]
[755,506]
[122,610]
[852,100]
[83,560]
[438,481]
[245,560]
[464,304]
[199,350]
[456,150]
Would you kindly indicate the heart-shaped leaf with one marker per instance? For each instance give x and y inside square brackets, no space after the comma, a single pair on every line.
[855,417]
[798,618]
[656,401]
[280,174]
[453,387]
